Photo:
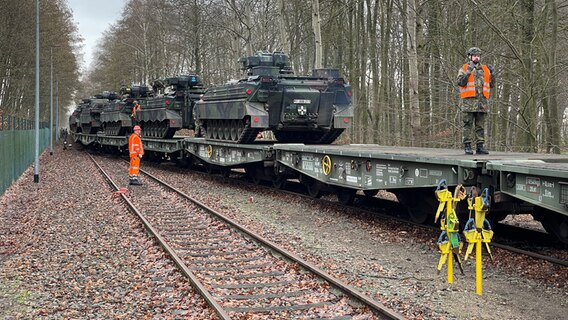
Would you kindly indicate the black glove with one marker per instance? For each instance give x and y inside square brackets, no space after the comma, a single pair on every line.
[470,67]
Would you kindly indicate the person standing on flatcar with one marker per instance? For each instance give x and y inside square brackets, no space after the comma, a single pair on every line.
[135,109]
[475,81]
[136,152]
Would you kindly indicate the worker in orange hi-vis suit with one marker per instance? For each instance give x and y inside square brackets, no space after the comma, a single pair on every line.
[136,152]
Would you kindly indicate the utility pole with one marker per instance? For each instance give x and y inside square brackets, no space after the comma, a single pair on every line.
[36,166]
[51,101]
[57,112]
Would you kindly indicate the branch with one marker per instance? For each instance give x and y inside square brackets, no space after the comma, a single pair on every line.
[497,31]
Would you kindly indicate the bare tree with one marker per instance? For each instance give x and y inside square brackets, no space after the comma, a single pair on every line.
[316,24]
[413,80]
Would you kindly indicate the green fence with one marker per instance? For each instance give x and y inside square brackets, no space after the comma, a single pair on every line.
[17,148]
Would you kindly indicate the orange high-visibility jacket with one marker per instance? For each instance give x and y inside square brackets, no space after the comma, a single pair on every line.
[135,109]
[135,145]
[469,90]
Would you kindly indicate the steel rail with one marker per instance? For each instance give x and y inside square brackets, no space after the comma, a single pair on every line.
[376,306]
[177,260]
[377,213]
[493,243]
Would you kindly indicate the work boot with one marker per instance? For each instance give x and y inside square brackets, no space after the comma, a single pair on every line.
[135,181]
[467,148]
[481,149]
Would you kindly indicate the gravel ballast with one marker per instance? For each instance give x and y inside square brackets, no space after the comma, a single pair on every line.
[69,250]
[394,263]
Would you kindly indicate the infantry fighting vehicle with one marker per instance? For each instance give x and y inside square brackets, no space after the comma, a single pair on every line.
[75,119]
[87,116]
[307,109]
[172,106]
[116,116]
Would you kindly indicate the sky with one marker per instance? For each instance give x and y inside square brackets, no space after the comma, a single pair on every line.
[92,18]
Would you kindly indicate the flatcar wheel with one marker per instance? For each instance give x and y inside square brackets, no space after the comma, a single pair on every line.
[256,179]
[370,193]
[554,223]
[313,187]
[185,162]
[225,171]
[418,214]
[278,182]
[420,205]
[346,196]
[209,168]
[253,175]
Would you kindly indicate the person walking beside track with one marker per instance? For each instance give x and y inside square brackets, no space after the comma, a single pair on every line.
[136,152]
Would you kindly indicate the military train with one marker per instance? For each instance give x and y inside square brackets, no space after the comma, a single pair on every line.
[164,109]
[313,109]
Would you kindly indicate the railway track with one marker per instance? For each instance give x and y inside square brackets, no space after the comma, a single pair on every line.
[500,241]
[240,274]
[513,244]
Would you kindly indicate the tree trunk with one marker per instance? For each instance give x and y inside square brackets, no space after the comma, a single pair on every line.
[284,38]
[528,98]
[414,106]
[553,121]
[316,25]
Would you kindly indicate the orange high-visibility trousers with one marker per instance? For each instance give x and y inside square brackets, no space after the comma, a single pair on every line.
[134,166]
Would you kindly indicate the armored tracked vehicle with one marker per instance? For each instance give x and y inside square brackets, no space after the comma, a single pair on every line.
[116,117]
[308,109]
[90,114]
[75,120]
[172,106]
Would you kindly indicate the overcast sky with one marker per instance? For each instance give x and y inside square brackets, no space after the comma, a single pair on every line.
[92,18]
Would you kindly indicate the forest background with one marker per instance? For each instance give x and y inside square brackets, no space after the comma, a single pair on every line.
[401,57]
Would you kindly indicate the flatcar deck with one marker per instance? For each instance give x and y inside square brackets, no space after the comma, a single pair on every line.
[451,156]
[377,167]
[516,180]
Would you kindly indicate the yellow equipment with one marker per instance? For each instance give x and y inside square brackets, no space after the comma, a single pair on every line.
[449,241]
[477,231]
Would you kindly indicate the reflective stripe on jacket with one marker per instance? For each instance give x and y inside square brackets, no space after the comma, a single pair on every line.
[469,90]
[135,145]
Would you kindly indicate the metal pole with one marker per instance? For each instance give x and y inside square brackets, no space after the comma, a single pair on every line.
[36,166]
[57,112]
[51,101]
